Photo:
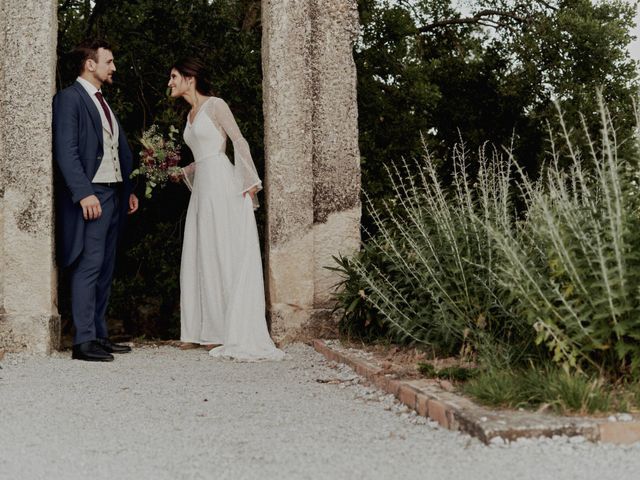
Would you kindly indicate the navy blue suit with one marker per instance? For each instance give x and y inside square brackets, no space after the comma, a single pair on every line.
[86,247]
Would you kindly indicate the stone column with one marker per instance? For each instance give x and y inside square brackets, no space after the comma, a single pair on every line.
[312,172]
[28,312]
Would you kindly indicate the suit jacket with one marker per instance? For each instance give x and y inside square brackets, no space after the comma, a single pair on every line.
[77,152]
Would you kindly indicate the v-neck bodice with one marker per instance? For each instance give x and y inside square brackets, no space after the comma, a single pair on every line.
[195,117]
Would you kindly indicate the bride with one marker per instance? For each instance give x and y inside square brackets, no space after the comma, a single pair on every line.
[222,291]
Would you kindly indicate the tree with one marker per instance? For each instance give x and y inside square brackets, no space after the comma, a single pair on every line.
[429,74]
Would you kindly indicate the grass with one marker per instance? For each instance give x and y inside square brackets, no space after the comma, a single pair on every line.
[551,388]
[455,373]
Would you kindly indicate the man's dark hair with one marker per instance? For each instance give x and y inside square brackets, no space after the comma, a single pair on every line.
[87,49]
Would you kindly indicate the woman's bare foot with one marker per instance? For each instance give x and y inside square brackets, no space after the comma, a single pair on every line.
[211,346]
[188,346]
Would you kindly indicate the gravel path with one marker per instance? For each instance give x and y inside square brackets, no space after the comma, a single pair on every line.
[162,413]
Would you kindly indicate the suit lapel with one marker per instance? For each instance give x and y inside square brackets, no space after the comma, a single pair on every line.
[91,108]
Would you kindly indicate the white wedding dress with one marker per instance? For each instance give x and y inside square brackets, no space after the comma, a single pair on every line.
[222,290]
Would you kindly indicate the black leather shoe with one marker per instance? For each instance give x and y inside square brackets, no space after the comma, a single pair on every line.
[90,351]
[110,347]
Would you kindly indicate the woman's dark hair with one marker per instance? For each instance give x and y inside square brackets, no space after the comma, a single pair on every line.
[195,68]
[87,49]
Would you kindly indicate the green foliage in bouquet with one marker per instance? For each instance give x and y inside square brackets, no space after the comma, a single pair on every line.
[159,158]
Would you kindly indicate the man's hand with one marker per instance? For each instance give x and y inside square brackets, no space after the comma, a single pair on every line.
[91,208]
[133,204]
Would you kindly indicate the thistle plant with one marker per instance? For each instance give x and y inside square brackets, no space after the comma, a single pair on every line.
[574,263]
[455,266]
[431,279]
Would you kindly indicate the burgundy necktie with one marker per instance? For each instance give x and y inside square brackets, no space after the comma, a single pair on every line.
[105,108]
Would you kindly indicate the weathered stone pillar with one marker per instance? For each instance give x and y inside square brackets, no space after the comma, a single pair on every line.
[312,168]
[28,312]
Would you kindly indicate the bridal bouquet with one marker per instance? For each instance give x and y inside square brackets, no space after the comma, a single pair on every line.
[159,158]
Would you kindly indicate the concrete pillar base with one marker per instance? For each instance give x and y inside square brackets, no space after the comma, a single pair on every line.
[35,333]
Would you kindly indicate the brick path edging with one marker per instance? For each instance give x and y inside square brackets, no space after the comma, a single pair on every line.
[458,413]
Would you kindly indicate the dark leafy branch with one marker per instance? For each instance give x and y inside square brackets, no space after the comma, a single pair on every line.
[488,17]
[99,8]
[521,13]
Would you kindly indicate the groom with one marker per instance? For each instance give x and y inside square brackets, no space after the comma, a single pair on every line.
[93,197]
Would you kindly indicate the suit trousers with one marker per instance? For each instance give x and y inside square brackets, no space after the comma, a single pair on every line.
[92,272]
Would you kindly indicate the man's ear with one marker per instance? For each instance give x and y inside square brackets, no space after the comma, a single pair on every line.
[90,65]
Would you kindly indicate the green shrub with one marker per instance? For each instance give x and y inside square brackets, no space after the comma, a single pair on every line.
[574,264]
[456,266]
[426,274]
[360,319]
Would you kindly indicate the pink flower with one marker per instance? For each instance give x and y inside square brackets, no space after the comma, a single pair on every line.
[172,160]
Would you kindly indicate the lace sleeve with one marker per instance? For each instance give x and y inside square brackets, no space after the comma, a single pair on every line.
[188,173]
[244,170]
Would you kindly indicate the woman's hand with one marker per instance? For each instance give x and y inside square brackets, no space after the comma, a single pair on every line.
[176,177]
[252,192]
